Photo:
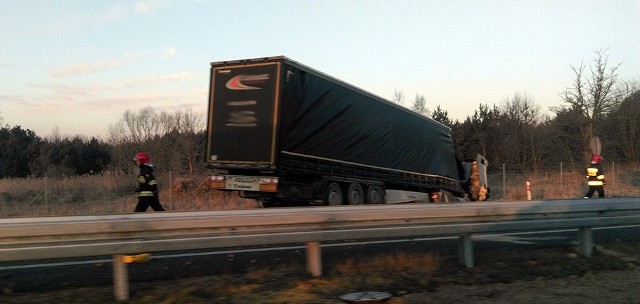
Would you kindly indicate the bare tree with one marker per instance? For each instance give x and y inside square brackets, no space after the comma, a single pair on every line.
[520,119]
[594,94]
[55,136]
[172,139]
[420,105]
[485,124]
[521,109]
[190,127]
[624,124]
[398,97]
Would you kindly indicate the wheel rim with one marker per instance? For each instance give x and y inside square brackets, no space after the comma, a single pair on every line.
[355,194]
[375,195]
[334,194]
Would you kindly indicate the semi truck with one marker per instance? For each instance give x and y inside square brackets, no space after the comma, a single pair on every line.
[279,131]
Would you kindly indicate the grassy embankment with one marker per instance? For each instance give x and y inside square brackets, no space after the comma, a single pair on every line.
[399,273]
[95,195]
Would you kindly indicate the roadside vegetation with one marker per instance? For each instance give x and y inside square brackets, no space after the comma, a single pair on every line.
[114,194]
[59,175]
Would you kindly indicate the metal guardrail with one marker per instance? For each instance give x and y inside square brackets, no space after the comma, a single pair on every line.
[116,235]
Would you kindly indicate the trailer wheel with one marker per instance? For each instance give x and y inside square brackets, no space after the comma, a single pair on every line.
[375,194]
[355,194]
[334,194]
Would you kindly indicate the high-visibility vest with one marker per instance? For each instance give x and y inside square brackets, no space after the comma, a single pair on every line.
[595,175]
[147,184]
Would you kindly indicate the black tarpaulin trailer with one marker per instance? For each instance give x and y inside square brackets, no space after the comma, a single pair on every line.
[273,120]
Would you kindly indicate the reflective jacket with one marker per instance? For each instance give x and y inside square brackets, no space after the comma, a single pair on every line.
[147,184]
[595,175]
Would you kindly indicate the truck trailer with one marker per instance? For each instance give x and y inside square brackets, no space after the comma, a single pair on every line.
[279,131]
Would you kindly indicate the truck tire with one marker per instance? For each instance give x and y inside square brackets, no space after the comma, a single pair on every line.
[355,194]
[334,194]
[375,194]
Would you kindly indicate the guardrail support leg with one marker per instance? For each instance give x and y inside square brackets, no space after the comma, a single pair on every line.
[120,278]
[465,250]
[586,241]
[314,259]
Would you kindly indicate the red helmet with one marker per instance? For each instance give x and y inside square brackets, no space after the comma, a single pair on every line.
[596,159]
[142,158]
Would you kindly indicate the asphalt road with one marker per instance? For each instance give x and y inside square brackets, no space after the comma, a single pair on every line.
[56,274]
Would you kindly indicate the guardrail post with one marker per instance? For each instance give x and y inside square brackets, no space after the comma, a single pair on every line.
[465,250]
[120,278]
[314,259]
[586,241]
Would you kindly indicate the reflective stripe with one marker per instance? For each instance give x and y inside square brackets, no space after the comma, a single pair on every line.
[145,193]
[142,180]
[595,176]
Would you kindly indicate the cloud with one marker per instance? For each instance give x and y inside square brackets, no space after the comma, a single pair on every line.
[113,13]
[169,52]
[152,80]
[76,100]
[142,8]
[103,93]
[147,6]
[80,68]
[139,8]
[81,110]
[15,99]
[170,77]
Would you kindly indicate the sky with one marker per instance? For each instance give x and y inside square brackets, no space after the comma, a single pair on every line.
[77,66]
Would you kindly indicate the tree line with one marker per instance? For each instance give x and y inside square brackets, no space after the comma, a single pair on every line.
[514,132]
[175,141]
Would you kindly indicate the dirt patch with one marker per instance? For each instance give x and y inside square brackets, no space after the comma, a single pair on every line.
[593,287]
[547,275]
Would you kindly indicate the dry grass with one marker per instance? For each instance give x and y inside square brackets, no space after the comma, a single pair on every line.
[109,194]
[570,185]
[398,262]
[399,273]
[290,283]
[96,195]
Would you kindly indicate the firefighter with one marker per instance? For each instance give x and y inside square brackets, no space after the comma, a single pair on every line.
[147,185]
[595,177]
[147,197]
